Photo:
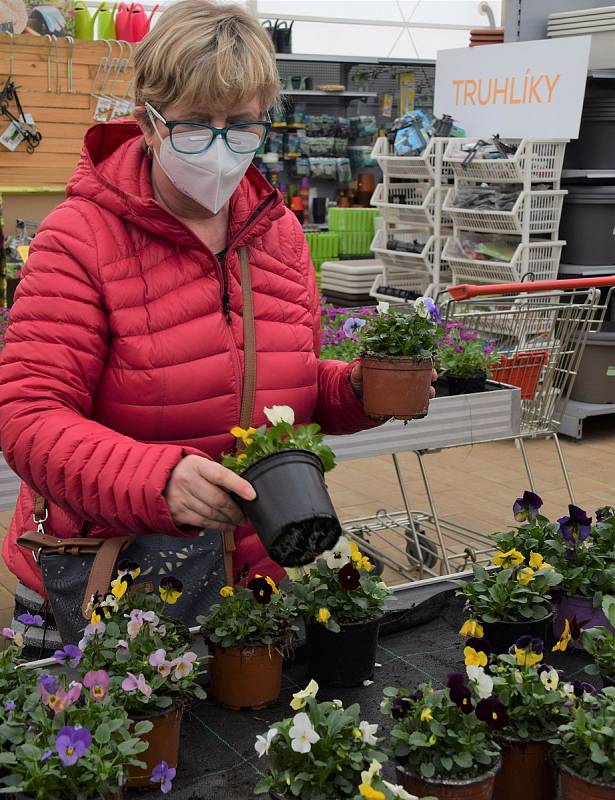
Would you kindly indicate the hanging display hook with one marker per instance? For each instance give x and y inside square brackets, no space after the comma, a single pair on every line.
[49,47]
[57,54]
[11,50]
[103,66]
[69,64]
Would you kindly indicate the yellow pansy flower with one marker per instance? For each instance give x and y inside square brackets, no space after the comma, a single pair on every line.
[536,561]
[299,700]
[472,629]
[119,587]
[525,576]
[245,434]
[242,457]
[95,618]
[474,658]
[324,615]
[432,740]
[511,558]
[357,733]
[270,581]
[227,591]
[426,715]
[369,793]
[564,639]
[527,658]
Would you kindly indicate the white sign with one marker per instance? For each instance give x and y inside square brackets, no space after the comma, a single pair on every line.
[524,89]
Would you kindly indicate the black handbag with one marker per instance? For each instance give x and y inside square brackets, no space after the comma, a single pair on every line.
[75,569]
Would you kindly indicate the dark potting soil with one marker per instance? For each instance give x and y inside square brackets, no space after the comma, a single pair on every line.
[217,757]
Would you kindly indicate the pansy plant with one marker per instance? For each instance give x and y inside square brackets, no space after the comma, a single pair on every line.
[411,333]
[461,352]
[439,733]
[256,614]
[321,752]
[281,434]
[599,642]
[341,588]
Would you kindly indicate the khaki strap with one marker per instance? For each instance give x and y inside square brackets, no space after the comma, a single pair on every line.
[228,545]
[249,342]
[102,568]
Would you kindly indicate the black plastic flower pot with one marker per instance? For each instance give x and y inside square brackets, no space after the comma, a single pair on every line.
[503,635]
[346,658]
[466,384]
[607,680]
[292,513]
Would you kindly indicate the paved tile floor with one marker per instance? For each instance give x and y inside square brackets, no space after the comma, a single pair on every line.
[473,486]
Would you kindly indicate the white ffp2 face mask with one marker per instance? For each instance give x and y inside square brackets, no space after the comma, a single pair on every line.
[209,178]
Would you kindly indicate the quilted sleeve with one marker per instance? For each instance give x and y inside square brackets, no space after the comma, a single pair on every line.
[338,409]
[56,346]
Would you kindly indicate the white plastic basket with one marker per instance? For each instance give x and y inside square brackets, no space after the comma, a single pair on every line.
[422,167]
[422,262]
[537,160]
[539,259]
[406,204]
[398,279]
[543,208]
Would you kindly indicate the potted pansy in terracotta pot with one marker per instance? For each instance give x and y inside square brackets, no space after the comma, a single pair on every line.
[599,642]
[248,632]
[585,751]
[442,743]
[323,752]
[465,359]
[63,739]
[343,602]
[292,512]
[147,658]
[513,600]
[397,358]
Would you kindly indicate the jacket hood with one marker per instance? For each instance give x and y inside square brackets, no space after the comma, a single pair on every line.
[115,173]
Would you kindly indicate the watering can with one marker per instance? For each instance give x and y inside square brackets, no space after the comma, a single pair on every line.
[123,22]
[105,24]
[84,21]
[140,22]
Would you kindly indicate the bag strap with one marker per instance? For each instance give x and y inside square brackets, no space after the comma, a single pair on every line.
[249,342]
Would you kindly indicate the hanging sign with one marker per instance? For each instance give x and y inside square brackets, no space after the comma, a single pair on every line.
[522,89]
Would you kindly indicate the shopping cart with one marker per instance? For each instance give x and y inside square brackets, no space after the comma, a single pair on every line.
[540,330]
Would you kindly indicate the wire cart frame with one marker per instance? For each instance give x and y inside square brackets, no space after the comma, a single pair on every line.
[540,330]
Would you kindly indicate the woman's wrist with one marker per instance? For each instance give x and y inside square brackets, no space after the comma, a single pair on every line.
[355,379]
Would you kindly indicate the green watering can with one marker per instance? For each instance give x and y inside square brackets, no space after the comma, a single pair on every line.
[105,24]
[84,21]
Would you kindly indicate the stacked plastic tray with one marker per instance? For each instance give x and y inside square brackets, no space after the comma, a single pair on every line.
[519,239]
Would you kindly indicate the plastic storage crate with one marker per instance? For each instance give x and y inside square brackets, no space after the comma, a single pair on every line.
[407,203]
[355,243]
[422,262]
[538,259]
[396,278]
[324,246]
[536,160]
[421,167]
[544,210]
[360,220]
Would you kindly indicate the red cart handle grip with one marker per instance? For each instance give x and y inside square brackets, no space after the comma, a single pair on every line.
[466,291]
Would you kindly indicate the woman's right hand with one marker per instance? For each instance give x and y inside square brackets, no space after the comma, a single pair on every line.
[198,494]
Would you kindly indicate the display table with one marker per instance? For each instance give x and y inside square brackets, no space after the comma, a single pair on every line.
[218,760]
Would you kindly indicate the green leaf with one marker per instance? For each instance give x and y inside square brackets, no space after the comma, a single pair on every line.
[103,733]
[427,769]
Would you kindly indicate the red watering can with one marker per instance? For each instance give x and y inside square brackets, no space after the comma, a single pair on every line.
[140,22]
[123,23]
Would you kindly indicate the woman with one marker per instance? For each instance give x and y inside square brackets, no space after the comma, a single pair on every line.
[122,371]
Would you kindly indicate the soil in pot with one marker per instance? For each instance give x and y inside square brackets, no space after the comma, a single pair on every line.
[526,772]
[245,677]
[396,387]
[503,635]
[346,658]
[574,787]
[163,740]
[479,788]
[292,513]
[569,606]
[466,384]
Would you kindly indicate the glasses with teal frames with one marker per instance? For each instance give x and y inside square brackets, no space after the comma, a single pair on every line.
[191,138]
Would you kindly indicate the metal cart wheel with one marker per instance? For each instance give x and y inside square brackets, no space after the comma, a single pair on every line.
[429,549]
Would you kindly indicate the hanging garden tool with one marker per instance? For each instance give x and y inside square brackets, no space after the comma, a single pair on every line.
[21,128]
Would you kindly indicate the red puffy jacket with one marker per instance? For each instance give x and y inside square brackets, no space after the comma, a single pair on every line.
[119,360]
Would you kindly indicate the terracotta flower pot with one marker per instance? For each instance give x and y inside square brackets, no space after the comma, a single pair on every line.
[396,387]
[479,788]
[526,772]
[163,740]
[574,787]
[245,677]
[503,635]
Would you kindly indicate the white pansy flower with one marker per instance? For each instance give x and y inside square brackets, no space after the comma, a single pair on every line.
[482,682]
[420,307]
[302,733]
[367,732]
[337,703]
[263,743]
[399,791]
[277,414]
[299,698]
[340,555]
[550,678]
[368,775]
[383,307]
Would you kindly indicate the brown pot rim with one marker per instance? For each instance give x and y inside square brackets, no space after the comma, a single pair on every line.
[568,771]
[400,359]
[444,782]
[279,643]
[515,740]
[179,704]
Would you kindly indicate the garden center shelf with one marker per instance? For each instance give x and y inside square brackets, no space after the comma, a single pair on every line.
[413,204]
[428,165]
[539,212]
[393,278]
[422,262]
[535,161]
[538,260]
[319,93]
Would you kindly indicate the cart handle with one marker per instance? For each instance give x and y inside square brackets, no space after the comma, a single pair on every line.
[466,291]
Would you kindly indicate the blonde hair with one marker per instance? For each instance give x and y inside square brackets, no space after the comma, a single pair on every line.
[206,55]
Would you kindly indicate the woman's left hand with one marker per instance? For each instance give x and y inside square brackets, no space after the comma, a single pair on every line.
[356,381]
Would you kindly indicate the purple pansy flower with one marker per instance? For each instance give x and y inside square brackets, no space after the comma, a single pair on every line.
[10,705]
[352,326]
[459,692]
[580,688]
[576,527]
[526,508]
[46,756]
[47,686]
[604,513]
[163,774]
[70,654]
[530,644]
[489,348]
[468,336]
[401,707]
[133,683]
[30,620]
[71,744]
[433,310]
[97,681]
[493,712]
